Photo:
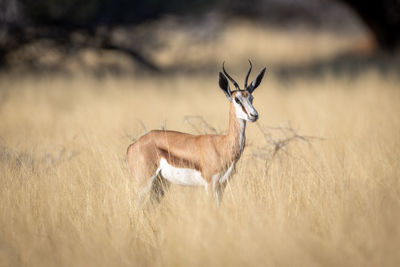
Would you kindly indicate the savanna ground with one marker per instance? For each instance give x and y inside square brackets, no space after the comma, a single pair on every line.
[66,197]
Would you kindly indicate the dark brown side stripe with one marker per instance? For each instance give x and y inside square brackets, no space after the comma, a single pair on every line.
[177,161]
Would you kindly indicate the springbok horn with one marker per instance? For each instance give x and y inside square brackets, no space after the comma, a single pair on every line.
[247,76]
[229,77]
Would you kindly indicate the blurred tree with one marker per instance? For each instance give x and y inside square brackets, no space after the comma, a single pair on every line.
[382,18]
[24,21]
[88,13]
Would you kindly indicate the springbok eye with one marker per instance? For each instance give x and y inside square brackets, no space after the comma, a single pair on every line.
[237,100]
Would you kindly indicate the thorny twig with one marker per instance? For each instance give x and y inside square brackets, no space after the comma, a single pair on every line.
[129,136]
[197,122]
[142,125]
[29,161]
[132,137]
[270,151]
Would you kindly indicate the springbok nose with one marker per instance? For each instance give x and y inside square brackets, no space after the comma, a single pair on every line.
[254,114]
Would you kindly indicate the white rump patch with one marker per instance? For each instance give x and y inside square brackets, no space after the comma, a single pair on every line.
[181,176]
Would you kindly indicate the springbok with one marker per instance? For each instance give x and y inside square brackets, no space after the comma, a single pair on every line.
[195,160]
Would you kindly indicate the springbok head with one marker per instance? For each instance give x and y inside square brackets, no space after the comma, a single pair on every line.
[242,99]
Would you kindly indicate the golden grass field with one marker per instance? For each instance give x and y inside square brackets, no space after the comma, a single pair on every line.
[66,197]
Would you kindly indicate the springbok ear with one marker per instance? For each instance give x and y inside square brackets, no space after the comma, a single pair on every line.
[254,84]
[224,85]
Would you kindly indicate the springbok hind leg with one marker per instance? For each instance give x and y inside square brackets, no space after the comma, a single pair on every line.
[158,189]
[155,190]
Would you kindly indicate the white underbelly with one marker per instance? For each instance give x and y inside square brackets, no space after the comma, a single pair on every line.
[181,176]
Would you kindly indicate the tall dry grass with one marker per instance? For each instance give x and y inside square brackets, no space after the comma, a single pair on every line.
[66,198]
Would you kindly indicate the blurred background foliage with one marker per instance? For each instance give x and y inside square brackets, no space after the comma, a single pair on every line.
[70,26]
[92,13]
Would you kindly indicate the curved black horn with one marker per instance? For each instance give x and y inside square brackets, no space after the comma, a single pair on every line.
[247,76]
[229,77]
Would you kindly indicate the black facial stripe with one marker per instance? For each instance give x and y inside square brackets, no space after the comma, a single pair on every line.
[244,110]
[241,105]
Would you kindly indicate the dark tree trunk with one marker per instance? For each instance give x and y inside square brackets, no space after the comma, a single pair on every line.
[382,18]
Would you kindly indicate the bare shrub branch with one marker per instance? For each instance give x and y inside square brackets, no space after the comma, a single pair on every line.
[33,163]
[278,139]
[200,125]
